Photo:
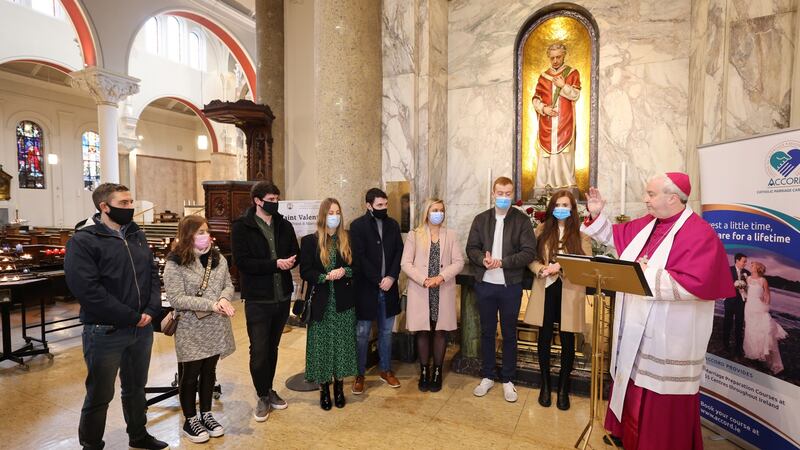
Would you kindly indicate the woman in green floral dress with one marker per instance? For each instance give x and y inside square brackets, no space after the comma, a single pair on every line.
[325,264]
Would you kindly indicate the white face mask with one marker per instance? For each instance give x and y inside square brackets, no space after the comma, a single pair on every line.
[332,221]
[436,217]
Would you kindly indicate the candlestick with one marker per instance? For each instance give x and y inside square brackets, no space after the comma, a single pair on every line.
[623,182]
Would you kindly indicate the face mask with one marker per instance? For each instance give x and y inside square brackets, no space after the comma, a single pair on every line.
[502,202]
[436,217]
[561,213]
[379,213]
[202,241]
[120,216]
[332,221]
[270,208]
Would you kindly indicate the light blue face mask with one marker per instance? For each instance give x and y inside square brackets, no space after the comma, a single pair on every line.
[436,217]
[561,213]
[502,202]
[332,221]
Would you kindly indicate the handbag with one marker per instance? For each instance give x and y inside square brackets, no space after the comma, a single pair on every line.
[169,324]
[302,308]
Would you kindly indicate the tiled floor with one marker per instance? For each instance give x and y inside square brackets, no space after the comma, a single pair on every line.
[41,408]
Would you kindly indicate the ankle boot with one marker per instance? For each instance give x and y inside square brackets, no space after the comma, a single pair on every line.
[544,390]
[562,399]
[325,396]
[338,393]
[424,377]
[436,379]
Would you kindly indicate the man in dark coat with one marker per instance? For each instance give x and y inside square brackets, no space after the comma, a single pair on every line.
[377,249]
[110,269]
[734,307]
[265,251]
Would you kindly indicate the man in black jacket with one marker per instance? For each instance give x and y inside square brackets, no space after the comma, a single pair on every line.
[734,307]
[265,251]
[377,249]
[500,246]
[110,269]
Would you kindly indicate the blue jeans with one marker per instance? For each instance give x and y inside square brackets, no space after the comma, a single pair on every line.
[385,325]
[505,299]
[106,351]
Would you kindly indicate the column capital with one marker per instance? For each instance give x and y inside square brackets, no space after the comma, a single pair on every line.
[106,87]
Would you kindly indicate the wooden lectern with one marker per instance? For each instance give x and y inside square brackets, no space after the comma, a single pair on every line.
[601,273]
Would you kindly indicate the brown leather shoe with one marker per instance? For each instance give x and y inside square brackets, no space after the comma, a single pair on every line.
[358,385]
[390,379]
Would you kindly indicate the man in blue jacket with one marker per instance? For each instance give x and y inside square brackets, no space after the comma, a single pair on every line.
[110,269]
[377,249]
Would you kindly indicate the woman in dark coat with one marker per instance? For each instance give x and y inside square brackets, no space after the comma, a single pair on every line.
[325,264]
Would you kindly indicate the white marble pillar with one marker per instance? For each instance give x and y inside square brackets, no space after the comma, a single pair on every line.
[108,89]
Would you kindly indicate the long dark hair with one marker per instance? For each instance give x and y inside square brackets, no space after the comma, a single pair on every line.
[548,239]
[183,247]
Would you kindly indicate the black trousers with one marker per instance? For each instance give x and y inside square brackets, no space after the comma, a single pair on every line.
[265,322]
[505,300]
[734,318]
[196,377]
[552,314]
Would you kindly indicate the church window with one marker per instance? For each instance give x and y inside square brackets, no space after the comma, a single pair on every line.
[151,36]
[173,39]
[90,145]
[30,155]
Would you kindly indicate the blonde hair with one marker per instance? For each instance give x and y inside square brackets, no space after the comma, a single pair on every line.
[761,269]
[323,242]
[424,221]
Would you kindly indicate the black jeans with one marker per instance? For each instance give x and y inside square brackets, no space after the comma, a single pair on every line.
[734,317]
[265,322]
[106,351]
[552,314]
[505,299]
[196,377]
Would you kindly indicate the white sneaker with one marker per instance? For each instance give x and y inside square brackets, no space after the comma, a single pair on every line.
[510,392]
[481,389]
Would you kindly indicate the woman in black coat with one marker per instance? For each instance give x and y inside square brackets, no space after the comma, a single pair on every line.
[326,265]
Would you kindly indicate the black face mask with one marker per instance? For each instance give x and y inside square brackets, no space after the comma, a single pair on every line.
[120,216]
[380,214]
[270,208]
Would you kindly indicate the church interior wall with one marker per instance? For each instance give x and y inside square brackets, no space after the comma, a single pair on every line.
[20,37]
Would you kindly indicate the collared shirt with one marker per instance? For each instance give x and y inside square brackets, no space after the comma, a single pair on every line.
[268,229]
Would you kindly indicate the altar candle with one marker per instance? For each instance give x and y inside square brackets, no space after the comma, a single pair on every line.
[623,182]
[489,186]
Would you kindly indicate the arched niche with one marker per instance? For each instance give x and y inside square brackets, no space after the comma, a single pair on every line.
[545,157]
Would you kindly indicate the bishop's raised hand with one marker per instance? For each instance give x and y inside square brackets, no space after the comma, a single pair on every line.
[594,202]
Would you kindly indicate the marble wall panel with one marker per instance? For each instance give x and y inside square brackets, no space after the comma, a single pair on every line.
[749,9]
[759,81]
[399,127]
[398,36]
[480,148]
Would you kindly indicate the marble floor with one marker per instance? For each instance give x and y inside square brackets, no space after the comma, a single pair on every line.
[41,407]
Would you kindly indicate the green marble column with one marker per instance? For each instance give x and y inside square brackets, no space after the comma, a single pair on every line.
[470,322]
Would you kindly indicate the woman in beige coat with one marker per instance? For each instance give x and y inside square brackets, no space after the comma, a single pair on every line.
[554,298]
[431,258]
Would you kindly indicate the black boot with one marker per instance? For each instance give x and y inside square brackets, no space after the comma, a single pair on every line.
[436,379]
[424,377]
[338,393]
[325,396]
[562,399]
[544,390]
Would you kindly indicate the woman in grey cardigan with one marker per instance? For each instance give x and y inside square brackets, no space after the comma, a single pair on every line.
[204,333]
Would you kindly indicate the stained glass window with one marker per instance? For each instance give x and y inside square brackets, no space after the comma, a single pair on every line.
[30,155]
[90,143]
